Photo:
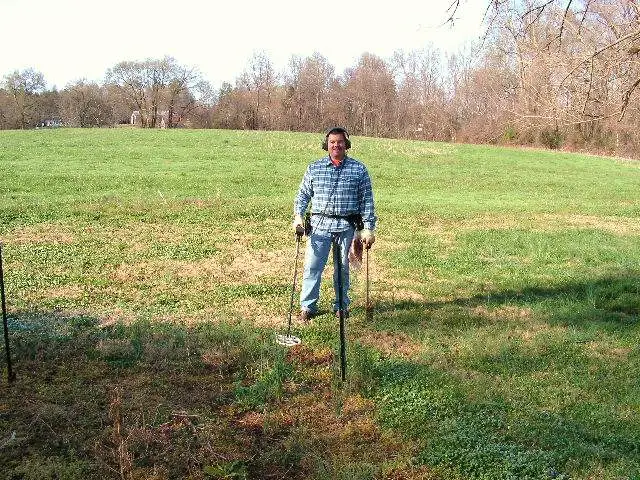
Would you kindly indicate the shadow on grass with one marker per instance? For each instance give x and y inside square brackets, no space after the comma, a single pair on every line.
[144,400]
[533,383]
[609,303]
[92,401]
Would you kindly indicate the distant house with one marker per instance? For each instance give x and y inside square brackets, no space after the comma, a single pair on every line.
[50,123]
[161,122]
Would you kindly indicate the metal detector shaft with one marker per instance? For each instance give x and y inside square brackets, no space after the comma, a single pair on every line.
[10,375]
[337,260]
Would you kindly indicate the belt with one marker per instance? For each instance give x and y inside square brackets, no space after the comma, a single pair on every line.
[355,219]
[346,217]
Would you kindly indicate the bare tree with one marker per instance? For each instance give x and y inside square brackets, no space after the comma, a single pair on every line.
[152,86]
[86,105]
[259,81]
[130,80]
[421,104]
[576,62]
[594,38]
[371,94]
[24,87]
[233,109]
[180,100]
[307,87]
[7,110]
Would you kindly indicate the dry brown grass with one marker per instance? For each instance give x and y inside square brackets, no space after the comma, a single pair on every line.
[72,291]
[445,231]
[392,344]
[621,226]
[603,350]
[507,312]
[40,233]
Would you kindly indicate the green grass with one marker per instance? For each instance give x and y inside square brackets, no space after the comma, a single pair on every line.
[146,272]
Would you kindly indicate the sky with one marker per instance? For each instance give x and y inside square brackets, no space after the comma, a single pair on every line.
[67,40]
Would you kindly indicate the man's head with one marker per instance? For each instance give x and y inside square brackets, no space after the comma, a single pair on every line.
[336,142]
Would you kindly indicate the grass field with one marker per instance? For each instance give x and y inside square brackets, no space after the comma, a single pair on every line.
[147,272]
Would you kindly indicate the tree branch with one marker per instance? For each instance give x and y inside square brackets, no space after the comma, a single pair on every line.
[584,15]
[539,9]
[564,18]
[453,8]
[586,98]
[626,97]
[598,52]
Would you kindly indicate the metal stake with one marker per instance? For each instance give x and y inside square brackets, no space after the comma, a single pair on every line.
[11,376]
[337,261]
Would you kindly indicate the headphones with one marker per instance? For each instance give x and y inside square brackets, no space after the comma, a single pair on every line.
[347,142]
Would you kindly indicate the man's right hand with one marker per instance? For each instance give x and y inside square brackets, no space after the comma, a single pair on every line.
[298,224]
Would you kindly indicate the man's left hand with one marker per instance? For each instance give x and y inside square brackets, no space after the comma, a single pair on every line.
[367,238]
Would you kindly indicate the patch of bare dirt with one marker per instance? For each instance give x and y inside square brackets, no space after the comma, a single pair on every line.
[253,265]
[251,421]
[144,271]
[445,231]
[310,357]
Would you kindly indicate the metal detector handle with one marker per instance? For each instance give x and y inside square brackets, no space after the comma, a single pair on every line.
[299,233]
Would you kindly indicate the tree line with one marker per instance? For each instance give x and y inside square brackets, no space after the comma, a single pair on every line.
[558,73]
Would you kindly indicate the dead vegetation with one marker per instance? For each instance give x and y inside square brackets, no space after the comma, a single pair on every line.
[158,402]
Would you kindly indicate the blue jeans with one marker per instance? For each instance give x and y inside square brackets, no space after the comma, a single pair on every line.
[316,256]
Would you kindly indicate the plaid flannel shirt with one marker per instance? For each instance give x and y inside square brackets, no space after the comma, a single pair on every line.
[336,192]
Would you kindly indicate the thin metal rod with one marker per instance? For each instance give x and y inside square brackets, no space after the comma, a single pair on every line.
[368,308]
[10,375]
[293,286]
[337,260]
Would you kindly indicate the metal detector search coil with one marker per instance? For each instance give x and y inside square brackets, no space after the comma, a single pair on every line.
[287,340]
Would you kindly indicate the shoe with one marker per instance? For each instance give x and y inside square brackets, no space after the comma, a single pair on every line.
[305,316]
[345,314]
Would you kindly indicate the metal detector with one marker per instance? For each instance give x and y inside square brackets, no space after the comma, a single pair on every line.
[11,376]
[289,340]
[337,262]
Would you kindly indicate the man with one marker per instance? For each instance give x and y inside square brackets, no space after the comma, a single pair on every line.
[339,190]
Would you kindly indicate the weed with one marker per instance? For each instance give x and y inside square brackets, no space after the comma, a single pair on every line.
[551,138]
[268,386]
